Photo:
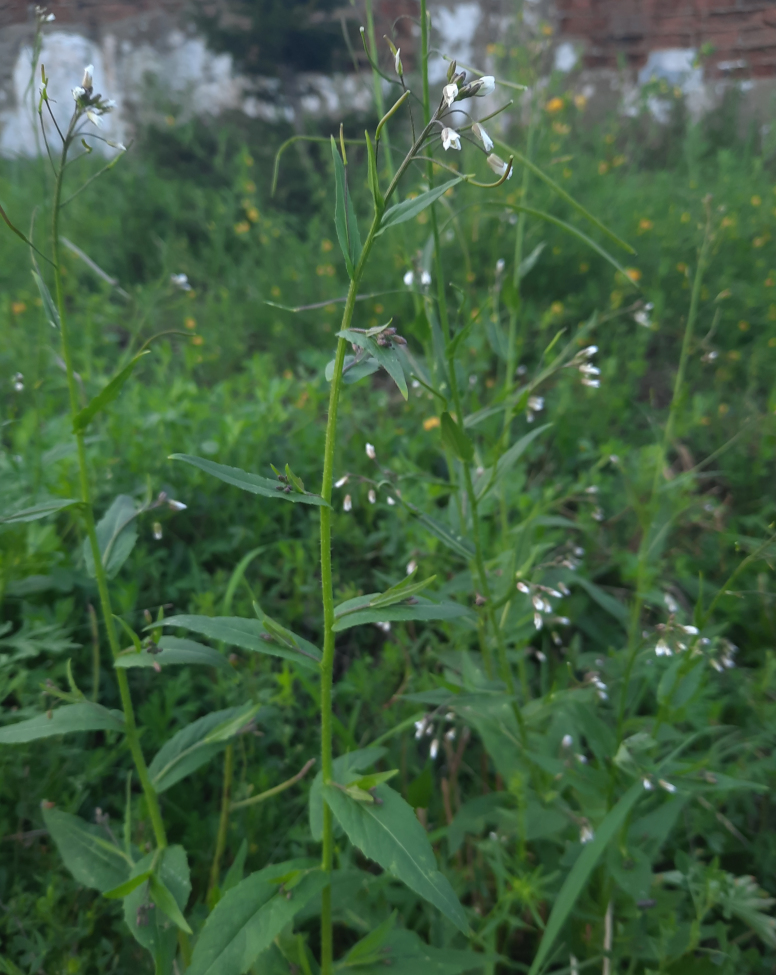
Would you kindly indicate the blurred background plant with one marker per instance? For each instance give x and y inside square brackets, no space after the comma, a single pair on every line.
[243,384]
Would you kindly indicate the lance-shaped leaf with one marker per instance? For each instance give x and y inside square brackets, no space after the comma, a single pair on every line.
[374,182]
[36,511]
[409,209]
[84,417]
[144,916]
[390,833]
[384,354]
[580,872]
[116,536]
[87,851]
[355,612]
[251,915]
[454,541]
[254,483]
[196,744]
[508,459]
[174,651]
[344,215]
[48,302]
[353,371]
[404,952]
[63,721]
[456,440]
[258,636]
[344,769]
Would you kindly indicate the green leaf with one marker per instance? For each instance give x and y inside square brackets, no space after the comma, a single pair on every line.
[250,916]
[366,367]
[604,600]
[373,779]
[353,612]
[344,214]
[116,535]
[63,721]
[374,182]
[343,769]
[411,208]
[48,301]
[456,440]
[125,889]
[196,744]
[235,873]
[251,635]
[509,458]
[455,542]
[165,901]
[581,871]
[87,851]
[384,354]
[37,511]
[149,925]
[407,954]
[402,590]
[254,483]
[365,952]
[389,833]
[294,481]
[84,417]
[175,650]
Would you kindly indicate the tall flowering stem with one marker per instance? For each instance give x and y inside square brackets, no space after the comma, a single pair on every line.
[130,726]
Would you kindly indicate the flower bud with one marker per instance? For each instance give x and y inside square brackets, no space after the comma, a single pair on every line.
[449,94]
[451,71]
[483,86]
[88,81]
[498,165]
[482,135]
[451,139]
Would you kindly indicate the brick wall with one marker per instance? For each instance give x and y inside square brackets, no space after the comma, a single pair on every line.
[739,31]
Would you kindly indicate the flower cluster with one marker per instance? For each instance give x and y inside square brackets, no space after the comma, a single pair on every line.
[540,599]
[673,637]
[425,728]
[589,372]
[93,106]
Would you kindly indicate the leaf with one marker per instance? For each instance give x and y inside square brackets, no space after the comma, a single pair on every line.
[235,873]
[125,889]
[84,417]
[48,301]
[350,613]
[41,510]
[175,650]
[604,600]
[385,356]
[365,951]
[4,216]
[196,744]
[149,925]
[509,458]
[254,483]
[86,851]
[353,373]
[165,901]
[116,536]
[529,263]
[373,779]
[402,590]
[374,182]
[344,214]
[63,721]
[408,209]
[580,872]
[456,440]
[251,635]
[407,954]
[389,833]
[456,543]
[343,769]
[250,916]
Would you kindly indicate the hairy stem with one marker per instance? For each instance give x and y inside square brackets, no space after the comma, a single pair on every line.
[130,727]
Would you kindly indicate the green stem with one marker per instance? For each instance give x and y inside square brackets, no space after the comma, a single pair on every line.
[223,823]
[99,569]
[643,555]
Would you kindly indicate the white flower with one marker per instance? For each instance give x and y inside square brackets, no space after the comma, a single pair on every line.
[434,749]
[425,277]
[372,496]
[647,783]
[180,281]
[397,63]
[93,117]
[592,383]
[666,785]
[523,587]
[671,604]
[391,501]
[538,621]
[567,741]
[587,370]
[536,403]
[449,95]
[409,278]
[498,165]
[582,759]
[88,81]
[586,835]
[450,139]
[177,505]
[690,630]
[411,566]
[540,656]
[642,318]
[420,728]
[450,735]
[384,626]
[370,451]
[484,86]
[78,92]
[341,482]
[589,351]
[500,265]
[485,139]
[347,504]
[157,531]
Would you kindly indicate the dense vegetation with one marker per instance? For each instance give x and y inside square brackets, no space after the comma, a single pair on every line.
[616,726]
